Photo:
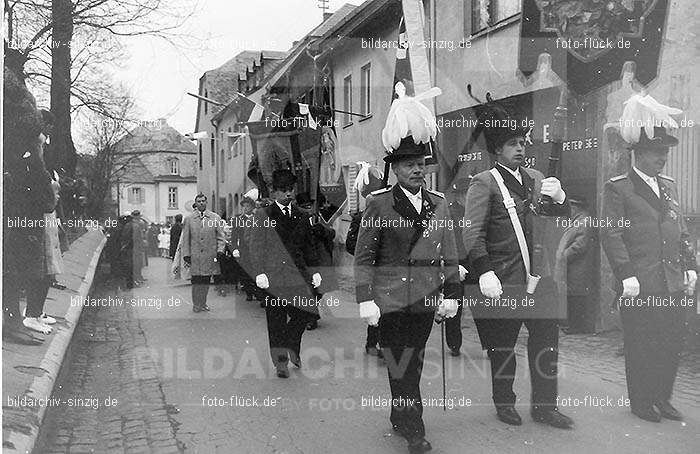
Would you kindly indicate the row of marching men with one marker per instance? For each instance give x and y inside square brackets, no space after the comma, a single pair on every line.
[409,274]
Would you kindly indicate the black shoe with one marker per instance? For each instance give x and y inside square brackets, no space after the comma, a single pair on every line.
[282,370]
[647,413]
[312,325]
[509,415]
[552,417]
[196,309]
[206,308]
[455,352]
[418,445]
[294,358]
[262,304]
[667,411]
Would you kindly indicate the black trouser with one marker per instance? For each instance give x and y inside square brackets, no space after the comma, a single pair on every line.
[653,342]
[200,289]
[403,333]
[580,314]
[35,288]
[285,325]
[542,356]
[372,336]
[453,330]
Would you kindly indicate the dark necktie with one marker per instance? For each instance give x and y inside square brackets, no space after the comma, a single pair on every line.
[286,211]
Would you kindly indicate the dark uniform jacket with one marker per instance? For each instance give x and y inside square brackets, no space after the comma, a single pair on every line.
[401,256]
[646,236]
[489,237]
[285,253]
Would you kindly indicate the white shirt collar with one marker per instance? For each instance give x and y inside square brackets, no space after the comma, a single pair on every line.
[515,173]
[415,199]
[649,180]
[282,207]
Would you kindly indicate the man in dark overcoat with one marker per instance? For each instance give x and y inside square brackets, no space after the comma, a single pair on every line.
[647,244]
[496,259]
[285,263]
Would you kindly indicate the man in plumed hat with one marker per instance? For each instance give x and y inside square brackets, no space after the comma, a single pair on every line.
[285,265]
[498,258]
[401,257]
[652,259]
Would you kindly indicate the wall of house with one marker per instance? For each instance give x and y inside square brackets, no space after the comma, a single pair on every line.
[206,172]
[186,193]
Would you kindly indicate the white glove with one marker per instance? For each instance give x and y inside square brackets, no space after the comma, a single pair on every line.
[551,186]
[630,287]
[261,281]
[370,312]
[448,308]
[462,273]
[490,285]
[691,278]
[316,280]
[236,254]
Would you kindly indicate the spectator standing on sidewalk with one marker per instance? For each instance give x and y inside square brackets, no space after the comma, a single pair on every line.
[203,243]
[652,259]
[573,269]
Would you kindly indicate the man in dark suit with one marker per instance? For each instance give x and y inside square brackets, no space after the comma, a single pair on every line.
[496,258]
[398,275]
[453,326]
[175,232]
[654,265]
[239,244]
[285,262]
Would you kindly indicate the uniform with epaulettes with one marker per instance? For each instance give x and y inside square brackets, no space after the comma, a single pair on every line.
[398,252]
[401,257]
[648,239]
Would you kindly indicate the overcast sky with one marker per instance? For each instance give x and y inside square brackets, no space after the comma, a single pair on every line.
[160,75]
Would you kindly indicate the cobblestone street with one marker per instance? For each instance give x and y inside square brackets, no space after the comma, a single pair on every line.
[203,383]
[106,404]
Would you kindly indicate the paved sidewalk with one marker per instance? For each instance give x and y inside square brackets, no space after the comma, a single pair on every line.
[31,371]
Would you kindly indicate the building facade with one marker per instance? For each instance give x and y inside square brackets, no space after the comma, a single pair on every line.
[155,173]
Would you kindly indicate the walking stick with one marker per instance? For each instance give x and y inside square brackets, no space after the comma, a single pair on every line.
[442,345]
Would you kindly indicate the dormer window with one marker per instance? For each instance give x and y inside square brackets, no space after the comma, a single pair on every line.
[174,165]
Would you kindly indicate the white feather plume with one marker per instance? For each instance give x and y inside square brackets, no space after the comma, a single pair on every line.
[253,194]
[644,112]
[363,175]
[409,117]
